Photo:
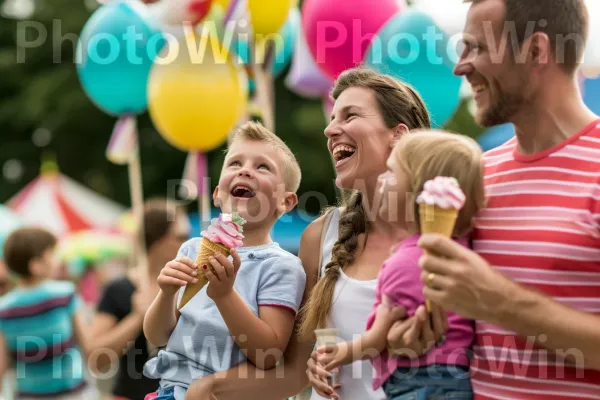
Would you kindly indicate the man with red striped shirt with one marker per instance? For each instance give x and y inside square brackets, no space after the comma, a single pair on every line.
[533,280]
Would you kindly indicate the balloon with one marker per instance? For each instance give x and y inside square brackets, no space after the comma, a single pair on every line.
[591,94]
[404,52]
[222,3]
[181,11]
[283,52]
[268,16]
[118,45]
[451,18]
[496,136]
[591,56]
[196,99]
[338,32]
[305,77]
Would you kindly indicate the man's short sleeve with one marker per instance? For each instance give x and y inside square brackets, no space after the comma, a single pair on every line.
[282,283]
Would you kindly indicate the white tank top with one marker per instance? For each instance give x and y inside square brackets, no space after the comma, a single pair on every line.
[352,304]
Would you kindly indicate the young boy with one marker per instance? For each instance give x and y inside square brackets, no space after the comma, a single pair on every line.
[248,308]
[41,330]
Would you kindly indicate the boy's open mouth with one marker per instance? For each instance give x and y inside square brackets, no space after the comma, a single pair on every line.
[242,192]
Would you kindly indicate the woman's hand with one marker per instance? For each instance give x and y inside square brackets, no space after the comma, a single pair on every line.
[333,356]
[416,335]
[317,377]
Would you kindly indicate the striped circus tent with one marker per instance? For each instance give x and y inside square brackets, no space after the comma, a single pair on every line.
[62,205]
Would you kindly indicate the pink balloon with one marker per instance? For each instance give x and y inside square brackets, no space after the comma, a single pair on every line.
[338,32]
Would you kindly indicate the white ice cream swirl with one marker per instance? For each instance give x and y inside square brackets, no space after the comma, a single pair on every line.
[443,192]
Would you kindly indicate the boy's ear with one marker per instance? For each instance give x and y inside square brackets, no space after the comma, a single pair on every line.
[290,201]
[216,200]
[399,131]
[36,267]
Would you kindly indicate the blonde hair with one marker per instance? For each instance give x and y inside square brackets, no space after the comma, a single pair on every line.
[254,131]
[398,103]
[426,154]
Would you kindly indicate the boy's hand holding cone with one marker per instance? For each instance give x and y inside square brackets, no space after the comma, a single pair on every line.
[439,204]
[223,234]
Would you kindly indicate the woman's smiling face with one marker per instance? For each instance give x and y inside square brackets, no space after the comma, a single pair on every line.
[358,139]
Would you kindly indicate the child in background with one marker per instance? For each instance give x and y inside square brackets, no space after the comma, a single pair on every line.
[248,308]
[41,328]
[447,168]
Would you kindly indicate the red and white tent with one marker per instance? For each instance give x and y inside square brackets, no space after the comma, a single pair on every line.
[62,205]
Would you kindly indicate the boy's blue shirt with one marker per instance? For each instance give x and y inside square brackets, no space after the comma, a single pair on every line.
[201,344]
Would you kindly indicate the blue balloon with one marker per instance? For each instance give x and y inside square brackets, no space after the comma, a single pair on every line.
[591,94]
[412,48]
[117,48]
[283,54]
[496,136]
[289,32]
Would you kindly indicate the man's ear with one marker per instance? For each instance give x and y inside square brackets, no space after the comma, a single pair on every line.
[290,201]
[399,131]
[539,50]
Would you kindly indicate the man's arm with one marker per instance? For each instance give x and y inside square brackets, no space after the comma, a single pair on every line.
[466,284]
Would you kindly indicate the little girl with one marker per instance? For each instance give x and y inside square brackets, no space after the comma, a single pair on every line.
[419,157]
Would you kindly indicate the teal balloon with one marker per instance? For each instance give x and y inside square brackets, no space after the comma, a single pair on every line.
[289,33]
[496,136]
[412,48]
[283,53]
[117,48]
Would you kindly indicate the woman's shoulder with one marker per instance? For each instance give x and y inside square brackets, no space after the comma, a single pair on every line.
[310,244]
[314,231]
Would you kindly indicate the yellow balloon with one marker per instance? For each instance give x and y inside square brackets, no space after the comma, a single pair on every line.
[268,16]
[195,100]
[223,3]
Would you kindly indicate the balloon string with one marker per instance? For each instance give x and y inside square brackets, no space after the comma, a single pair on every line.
[230,10]
[123,140]
[137,200]
[203,197]
[201,164]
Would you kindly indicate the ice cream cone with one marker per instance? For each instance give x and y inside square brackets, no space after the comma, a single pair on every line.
[439,204]
[438,220]
[207,249]
[434,219]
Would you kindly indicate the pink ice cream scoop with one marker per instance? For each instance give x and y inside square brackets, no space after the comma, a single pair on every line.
[443,192]
[227,230]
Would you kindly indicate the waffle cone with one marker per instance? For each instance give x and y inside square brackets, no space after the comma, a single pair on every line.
[207,249]
[438,220]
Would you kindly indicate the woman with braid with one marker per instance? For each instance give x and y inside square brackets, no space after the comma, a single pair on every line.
[370,114]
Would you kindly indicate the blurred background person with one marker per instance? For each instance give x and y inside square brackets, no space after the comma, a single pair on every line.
[41,323]
[117,325]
